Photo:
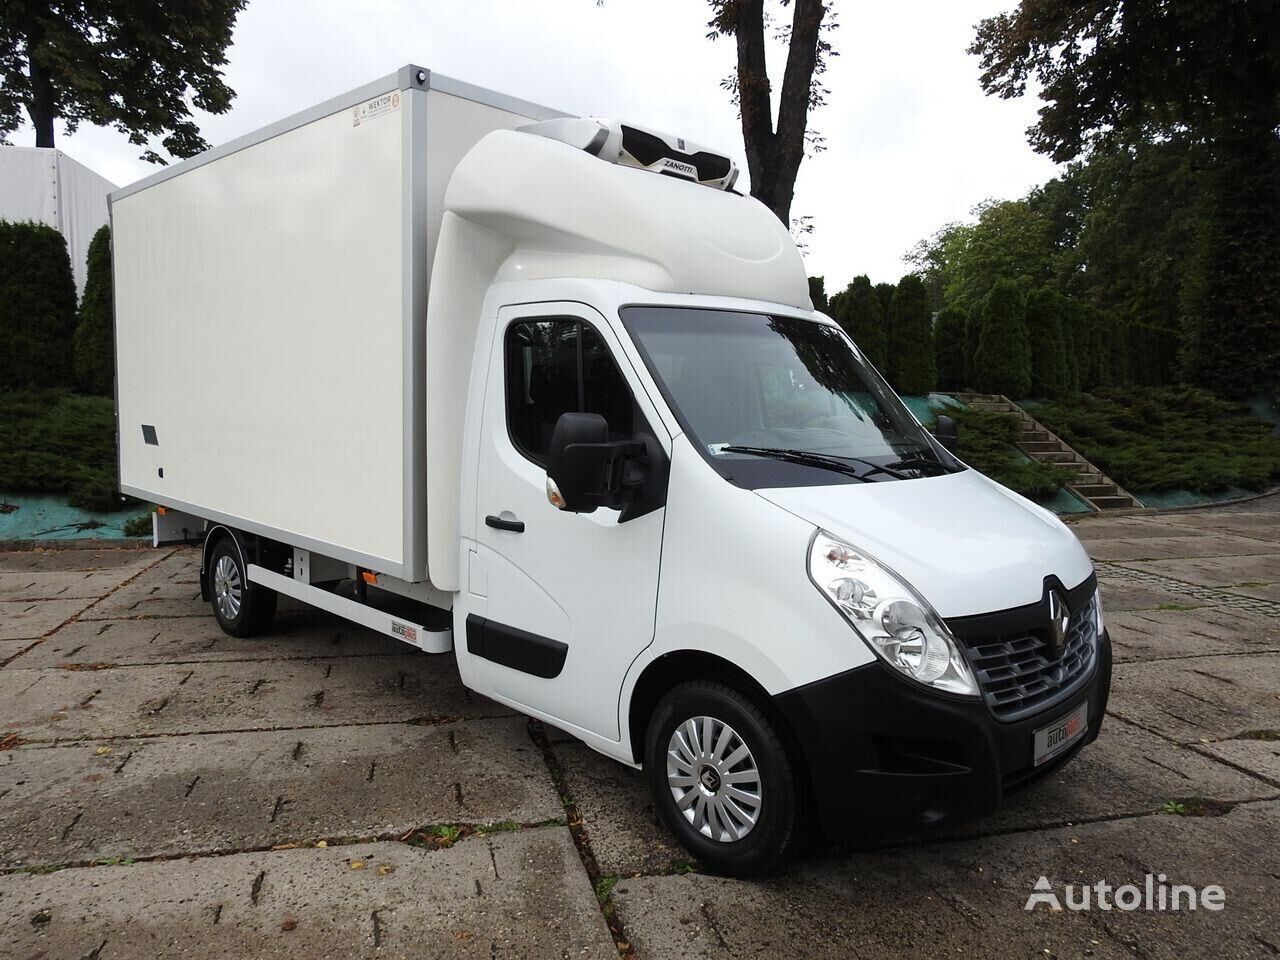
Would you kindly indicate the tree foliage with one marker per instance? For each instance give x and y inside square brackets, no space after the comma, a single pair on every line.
[1049,376]
[1002,359]
[1109,68]
[818,293]
[911,350]
[949,347]
[962,260]
[858,312]
[774,152]
[128,64]
[93,349]
[37,307]
[1184,98]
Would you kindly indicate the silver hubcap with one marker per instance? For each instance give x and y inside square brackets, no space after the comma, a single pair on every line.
[713,779]
[226,587]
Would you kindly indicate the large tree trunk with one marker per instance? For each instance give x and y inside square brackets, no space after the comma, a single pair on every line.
[773,159]
[41,106]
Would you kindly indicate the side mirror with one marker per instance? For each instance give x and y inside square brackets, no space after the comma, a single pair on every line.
[946,434]
[586,470]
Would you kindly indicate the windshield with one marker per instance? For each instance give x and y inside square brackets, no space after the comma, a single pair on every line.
[776,384]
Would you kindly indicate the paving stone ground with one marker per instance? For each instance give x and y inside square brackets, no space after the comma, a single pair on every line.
[167,790]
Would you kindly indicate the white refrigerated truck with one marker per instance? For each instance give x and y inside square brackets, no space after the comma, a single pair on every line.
[549,394]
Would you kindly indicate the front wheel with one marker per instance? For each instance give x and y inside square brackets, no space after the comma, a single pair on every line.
[241,608]
[722,778]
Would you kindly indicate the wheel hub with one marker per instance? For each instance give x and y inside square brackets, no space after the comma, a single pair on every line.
[227,587]
[714,779]
[710,780]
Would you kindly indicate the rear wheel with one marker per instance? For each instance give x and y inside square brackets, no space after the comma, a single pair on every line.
[723,779]
[242,609]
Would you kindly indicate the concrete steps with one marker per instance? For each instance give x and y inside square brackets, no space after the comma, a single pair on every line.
[1039,443]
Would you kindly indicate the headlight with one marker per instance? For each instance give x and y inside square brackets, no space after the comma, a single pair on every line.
[895,621]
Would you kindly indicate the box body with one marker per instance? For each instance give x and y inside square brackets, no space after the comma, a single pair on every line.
[270,319]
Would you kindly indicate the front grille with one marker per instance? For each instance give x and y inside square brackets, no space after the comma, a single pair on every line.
[1018,673]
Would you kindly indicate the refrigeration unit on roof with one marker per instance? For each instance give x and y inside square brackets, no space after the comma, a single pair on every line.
[633,146]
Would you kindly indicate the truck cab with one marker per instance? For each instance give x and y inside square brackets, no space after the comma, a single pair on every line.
[706,537]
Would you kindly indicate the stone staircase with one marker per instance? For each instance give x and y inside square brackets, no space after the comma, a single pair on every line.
[1035,440]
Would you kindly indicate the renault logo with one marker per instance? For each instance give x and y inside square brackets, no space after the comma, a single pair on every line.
[1059,621]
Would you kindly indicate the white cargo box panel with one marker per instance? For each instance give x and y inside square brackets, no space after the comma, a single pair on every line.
[270,319]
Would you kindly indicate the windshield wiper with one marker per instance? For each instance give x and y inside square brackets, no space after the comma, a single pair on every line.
[922,463]
[838,464]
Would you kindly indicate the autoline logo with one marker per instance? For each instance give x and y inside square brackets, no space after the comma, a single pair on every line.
[1155,893]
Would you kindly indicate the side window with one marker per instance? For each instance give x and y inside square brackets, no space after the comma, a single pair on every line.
[560,366]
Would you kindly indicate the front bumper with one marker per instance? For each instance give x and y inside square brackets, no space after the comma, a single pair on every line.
[886,756]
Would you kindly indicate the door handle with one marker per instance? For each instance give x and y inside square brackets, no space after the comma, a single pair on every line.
[512,526]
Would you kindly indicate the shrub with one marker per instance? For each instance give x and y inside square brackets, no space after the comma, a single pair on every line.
[987,444]
[37,307]
[94,352]
[139,526]
[1002,360]
[911,345]
[1049,377]
[949,347]
[1169,438]
[857,310]
[56,442]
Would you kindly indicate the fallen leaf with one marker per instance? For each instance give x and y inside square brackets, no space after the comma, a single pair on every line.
[285,846]
[322,844]
[463,935]
[288,923]
[385,868]
[102,751]
[357,864]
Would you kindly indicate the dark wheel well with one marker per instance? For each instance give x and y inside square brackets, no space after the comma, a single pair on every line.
[252,549]
[672,669]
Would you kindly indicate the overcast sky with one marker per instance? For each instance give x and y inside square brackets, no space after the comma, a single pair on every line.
[912,143]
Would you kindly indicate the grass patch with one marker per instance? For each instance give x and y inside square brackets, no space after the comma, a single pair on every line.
[1151,439]
[987,444]
[604,889]
[54,442]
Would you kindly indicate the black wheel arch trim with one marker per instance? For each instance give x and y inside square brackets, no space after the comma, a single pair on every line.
[210,541]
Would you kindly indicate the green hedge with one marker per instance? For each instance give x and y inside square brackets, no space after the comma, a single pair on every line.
[949,347]
[37,307]
[1002,357]
[911,359]
[857,310]
[93,354]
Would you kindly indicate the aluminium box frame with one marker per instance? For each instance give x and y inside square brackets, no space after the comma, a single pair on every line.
[415,82]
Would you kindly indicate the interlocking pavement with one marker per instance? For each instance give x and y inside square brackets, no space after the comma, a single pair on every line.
[167,790]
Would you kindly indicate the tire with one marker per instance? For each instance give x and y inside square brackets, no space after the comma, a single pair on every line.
[716,821]
[241,608]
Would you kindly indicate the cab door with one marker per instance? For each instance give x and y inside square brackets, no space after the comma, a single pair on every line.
[571,598]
